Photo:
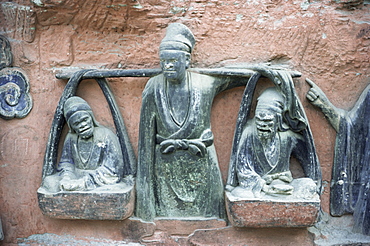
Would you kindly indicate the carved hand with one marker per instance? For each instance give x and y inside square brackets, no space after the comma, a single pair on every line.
[197,147]
[171,145]
[69,184]
[316,96]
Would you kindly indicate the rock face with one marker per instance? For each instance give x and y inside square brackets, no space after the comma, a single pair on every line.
[327,41]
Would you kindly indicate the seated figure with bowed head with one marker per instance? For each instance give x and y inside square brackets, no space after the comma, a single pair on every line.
[91,155]
[262,165]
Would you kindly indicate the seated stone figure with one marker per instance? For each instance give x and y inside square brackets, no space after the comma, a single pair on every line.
[91,155]
[263,155]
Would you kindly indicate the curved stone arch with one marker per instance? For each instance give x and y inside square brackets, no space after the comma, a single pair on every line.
[287,88]
[51,153]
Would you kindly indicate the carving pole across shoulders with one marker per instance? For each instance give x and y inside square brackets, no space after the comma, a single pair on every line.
[115,73]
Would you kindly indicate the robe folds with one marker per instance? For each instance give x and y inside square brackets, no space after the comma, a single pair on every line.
[350,187]
[104,164]
[179,181]
[295,126]
[252,164]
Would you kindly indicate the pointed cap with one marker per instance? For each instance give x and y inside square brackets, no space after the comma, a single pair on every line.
[178,37]
[75,104]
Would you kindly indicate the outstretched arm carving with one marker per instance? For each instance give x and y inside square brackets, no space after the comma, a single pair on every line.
[318,98]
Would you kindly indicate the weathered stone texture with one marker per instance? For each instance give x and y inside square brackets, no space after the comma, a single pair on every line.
[252,236]
[88,206]
[324,40]
[262,213]
[20,21]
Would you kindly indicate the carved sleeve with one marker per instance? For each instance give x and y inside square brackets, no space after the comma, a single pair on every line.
[66,164]
[145,205]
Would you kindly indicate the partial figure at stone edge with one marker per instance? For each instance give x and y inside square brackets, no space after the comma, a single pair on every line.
[6,56]
[178,173]
[91,155]
[1,231]
[260,160]
[351,169]
[15,99]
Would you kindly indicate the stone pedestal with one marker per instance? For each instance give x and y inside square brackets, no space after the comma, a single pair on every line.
[267,212]
[88,205]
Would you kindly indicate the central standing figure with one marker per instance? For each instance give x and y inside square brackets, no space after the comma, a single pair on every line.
[178,173]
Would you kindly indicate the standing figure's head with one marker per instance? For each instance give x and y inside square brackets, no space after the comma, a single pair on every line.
[79,117]
[268,115]
[6,57]
[175,51]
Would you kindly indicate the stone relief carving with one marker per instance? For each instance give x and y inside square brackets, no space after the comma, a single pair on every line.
[91,155]
[20,21]
[263,156]
[178,173]
[350,175]
[15,99]
[1,231]
[96,168]
[263,146]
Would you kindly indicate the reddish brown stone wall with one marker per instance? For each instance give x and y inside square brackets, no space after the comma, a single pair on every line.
[327,41]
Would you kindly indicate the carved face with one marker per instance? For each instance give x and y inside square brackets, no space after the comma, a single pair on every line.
[266,123]
[81,122]
[174,64]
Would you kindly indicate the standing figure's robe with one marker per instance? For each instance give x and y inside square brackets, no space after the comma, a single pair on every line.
[350,188]
[181,182]
[103,166]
